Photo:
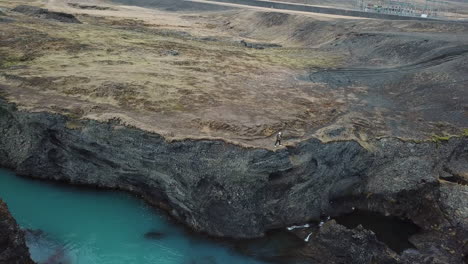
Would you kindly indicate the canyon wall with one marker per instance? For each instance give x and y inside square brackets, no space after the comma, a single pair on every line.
[228,190]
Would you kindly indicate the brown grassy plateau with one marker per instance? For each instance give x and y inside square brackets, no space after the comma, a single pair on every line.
[186,75]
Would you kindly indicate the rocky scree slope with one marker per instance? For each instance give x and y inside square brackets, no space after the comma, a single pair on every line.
[227,190]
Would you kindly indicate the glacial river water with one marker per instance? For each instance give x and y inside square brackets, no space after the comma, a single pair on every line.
[71,225]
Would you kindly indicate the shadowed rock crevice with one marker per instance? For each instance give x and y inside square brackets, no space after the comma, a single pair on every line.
[395,233]
[456,179]
[430,209]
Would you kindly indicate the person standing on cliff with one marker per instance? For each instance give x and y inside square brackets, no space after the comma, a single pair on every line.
[279,136]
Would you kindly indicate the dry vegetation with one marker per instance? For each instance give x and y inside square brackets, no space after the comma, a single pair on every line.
[139,72]
[187,75]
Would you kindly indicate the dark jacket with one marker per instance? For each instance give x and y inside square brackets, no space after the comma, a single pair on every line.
[279,136]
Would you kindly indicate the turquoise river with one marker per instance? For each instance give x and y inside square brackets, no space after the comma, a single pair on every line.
[72,225]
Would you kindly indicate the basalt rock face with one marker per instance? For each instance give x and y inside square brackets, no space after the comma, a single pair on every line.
[13,248]
[46,14]
[335,244]
[227,190]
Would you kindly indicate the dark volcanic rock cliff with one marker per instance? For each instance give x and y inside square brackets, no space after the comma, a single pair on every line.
[13,248]
[227,190]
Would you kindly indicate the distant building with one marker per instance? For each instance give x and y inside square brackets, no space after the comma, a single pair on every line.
[417,8]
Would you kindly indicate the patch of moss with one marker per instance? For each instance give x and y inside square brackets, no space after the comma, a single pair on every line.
[437,138]
[465,132]
[9,59]
[7,62]
[73,124]
[73,114]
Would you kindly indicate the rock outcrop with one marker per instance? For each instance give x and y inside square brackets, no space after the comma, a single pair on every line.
[46,14]
[228,190]
[13,249]
[333,243]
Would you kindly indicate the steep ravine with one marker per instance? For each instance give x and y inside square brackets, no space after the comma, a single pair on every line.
[227,190]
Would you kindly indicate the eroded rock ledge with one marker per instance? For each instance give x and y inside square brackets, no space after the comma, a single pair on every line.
[226,190]
[13,248]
